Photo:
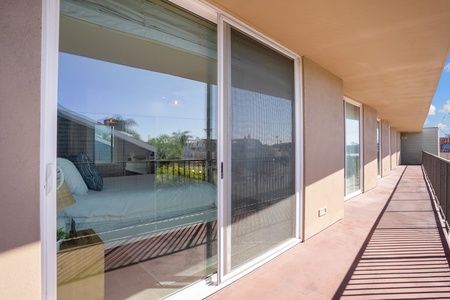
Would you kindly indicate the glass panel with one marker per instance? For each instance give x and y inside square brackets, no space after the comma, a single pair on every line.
[104,143]
[136,150]
[262,149]
[352,148]
[378,149]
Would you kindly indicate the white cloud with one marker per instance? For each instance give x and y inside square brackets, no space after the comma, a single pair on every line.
[432,110]
[446,108]
[442,126]
[447,68]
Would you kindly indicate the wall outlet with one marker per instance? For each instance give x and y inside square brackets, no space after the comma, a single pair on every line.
[322,212]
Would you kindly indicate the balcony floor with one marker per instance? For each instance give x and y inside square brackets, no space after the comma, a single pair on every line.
[389,245]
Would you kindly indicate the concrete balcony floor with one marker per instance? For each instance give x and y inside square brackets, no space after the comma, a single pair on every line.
[389,245]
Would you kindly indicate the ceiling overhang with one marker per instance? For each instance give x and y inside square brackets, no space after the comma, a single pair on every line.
[389,54]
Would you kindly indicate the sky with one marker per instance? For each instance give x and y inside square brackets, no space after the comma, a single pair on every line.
[159,103]
[439,113]
[164,104]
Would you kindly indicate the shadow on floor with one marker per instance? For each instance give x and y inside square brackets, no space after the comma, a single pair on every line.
[406,255]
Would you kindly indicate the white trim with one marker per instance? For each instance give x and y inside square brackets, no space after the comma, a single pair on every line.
[201,9]
[395,150]
[226,262]
[47,189]
[380,156]
[226,17]
[299,159]
[354,194]
[221,152]
[48,145]
[226,274]
[361,147]
[258,36]
[390,151]
[353,102]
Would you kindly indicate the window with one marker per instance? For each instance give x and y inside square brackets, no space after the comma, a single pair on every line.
[353,176]
[379,147]
[141,127]
[262,139]
[137,132]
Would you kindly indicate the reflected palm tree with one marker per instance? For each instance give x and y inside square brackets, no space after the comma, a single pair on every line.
[127,126]
[182,137]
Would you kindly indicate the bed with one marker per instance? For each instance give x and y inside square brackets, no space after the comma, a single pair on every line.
[137,205]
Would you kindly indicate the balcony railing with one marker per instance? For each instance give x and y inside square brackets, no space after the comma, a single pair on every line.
[198,169]
[437,170]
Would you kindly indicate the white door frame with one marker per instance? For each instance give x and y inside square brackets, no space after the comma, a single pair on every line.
[48,136]
[361,146]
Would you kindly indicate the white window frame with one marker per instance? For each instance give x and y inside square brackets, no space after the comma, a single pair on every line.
[48,136]
[390,150]
[380,156]
[361,146]
[49,86]
[257,262]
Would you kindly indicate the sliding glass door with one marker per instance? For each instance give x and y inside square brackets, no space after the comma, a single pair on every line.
[137,140]
[173,166]
[261,142]
[352,148]
[379,147]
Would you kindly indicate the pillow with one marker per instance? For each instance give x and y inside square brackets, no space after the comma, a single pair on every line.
[71,157]
[89,172]
[64,198]
[72,176]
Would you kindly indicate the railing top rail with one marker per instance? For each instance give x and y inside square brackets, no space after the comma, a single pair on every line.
[436,156]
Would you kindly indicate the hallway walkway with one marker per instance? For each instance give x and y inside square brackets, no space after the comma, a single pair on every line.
[388,246]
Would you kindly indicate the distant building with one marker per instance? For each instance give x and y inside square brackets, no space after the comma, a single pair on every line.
[444,144]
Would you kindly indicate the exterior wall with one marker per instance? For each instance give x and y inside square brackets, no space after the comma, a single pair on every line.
[385,155]
[324,168]
[20,70]
[413,143]
[370,161]
[394,149]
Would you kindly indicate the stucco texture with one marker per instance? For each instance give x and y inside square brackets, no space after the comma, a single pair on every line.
[385,156]
[323,148]
[394,150]
[20,48]
[370,167]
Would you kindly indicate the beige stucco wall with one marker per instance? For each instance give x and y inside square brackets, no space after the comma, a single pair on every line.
[385,155]
[394,148]
[370,168]
[323,148]
[20,257]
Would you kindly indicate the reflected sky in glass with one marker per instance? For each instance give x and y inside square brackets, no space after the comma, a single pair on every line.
[158,102]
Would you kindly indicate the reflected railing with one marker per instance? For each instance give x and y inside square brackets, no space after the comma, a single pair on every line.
[437,170]
[260,182]
[197,169]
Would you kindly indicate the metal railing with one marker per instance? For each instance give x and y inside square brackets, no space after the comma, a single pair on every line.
[437,170]
[197,169]
[260,182]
